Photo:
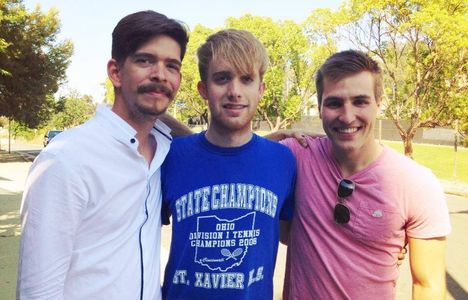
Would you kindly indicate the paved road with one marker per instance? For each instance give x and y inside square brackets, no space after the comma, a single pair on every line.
[13,173]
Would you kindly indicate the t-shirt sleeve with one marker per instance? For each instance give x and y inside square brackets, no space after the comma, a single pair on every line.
[429,216]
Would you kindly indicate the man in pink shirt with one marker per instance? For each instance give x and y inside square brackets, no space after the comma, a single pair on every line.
[358,203]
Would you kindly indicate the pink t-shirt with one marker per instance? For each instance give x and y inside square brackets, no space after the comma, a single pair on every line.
[394,198]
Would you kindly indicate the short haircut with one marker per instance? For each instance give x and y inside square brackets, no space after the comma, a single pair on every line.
[344,64]
[239,47]
[134,30]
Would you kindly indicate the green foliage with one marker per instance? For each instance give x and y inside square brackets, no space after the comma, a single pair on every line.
[109,95]
[71,110]
[188,103]
[19,130]
[422,47]
[32,61]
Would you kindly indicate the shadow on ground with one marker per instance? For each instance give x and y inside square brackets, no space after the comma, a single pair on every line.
[6,157]
[459,212]
[454,288]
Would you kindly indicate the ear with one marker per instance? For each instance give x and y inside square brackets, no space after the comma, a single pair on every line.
[113,72]
[262,88]
[379,102]
[201,86]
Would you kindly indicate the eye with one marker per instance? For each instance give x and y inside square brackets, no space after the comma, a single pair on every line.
[143,62]
[361,101]
[332,103]
[173,66]
[247,79]
[221,78]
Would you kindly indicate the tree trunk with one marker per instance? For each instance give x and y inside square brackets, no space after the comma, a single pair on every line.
[408,143]
[408,140]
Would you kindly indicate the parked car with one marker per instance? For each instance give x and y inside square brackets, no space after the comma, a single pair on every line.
[50,135]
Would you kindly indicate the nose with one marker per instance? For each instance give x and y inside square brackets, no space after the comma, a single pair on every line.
[158,72]
[347,114]
[234,89]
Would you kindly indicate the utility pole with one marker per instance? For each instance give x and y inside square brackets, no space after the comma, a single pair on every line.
[9,135]
[455,146]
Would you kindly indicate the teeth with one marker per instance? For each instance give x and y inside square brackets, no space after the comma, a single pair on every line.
[234,106]
[347,130]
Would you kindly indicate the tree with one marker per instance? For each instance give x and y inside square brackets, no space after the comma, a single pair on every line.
[109,94]
[32,61]
[188,103]
[422,46]
[72,110]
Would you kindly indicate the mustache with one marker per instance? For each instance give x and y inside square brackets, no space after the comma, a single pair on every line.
[155,87]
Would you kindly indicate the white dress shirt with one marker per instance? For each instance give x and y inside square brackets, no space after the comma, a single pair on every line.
[91,215]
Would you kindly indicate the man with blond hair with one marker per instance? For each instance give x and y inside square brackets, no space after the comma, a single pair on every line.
[227,188]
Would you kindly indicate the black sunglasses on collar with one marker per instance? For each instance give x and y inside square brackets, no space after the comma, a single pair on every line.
[341,213]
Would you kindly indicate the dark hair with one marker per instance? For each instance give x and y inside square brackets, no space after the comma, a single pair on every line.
[346,63]
[138,28]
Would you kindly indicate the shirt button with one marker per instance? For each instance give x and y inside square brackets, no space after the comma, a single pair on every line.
[132,141]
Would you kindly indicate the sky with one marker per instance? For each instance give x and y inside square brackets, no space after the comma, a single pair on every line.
[89,24]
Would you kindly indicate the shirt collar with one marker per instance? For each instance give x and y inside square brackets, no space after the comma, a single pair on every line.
[124,132]
[116,126]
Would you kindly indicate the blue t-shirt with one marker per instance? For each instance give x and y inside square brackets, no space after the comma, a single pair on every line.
[226,204]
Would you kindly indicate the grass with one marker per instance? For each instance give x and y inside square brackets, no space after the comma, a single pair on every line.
[442,160]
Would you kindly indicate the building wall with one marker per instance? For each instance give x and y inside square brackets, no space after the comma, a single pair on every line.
[386,130]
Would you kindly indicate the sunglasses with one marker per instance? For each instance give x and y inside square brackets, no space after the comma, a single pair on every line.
[341,213]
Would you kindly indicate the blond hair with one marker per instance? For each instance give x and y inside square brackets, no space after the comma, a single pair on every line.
[238,47]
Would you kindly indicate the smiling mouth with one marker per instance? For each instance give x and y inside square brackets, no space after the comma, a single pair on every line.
[234,106]
[347,130]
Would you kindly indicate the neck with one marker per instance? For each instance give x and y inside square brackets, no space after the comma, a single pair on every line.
[140,122]
[351,162]
[228,139]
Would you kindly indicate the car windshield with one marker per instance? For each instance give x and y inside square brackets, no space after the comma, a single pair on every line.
[54,133]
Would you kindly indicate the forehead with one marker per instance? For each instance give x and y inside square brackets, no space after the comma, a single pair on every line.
[353,85]
[161,45]
[219,64]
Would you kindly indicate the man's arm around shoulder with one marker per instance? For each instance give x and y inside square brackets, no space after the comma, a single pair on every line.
[285,227]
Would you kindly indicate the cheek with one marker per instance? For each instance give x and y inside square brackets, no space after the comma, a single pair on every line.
[325,116]
[175,80]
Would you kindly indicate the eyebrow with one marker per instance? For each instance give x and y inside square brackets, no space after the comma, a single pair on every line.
[332,98]
[149,55]
[222,73]
[363,96]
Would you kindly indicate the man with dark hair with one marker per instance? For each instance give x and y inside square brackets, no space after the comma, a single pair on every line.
[358,202]
[91,208]
[227,188]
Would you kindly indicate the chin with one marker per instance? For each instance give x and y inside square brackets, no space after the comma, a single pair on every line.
[152,110]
